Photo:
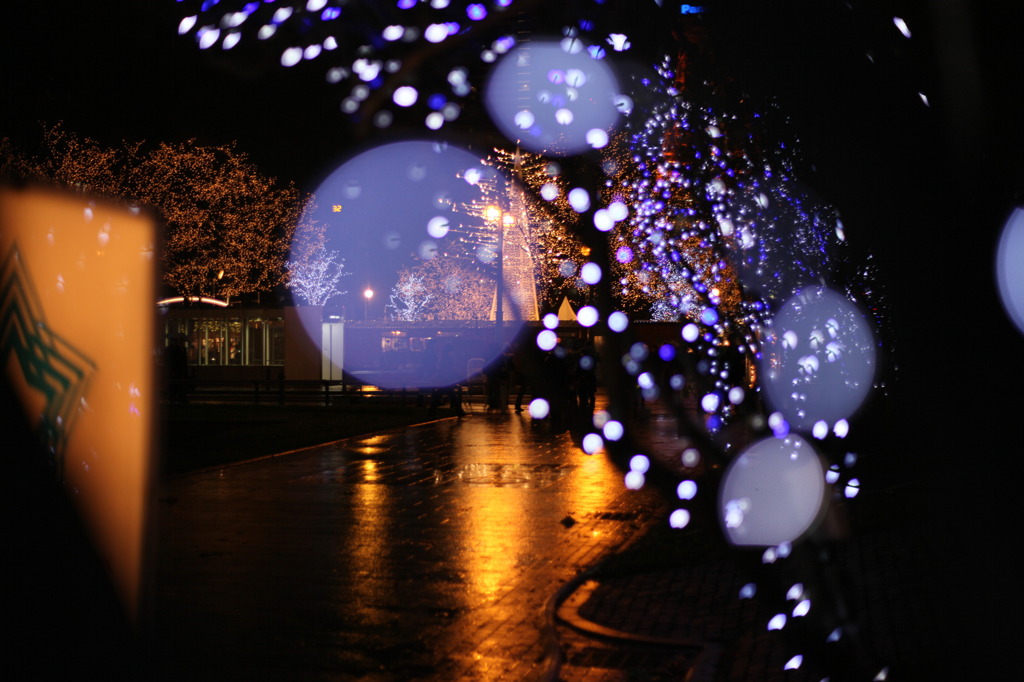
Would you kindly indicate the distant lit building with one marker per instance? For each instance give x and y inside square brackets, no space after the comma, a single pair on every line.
[267,344]
[222,340]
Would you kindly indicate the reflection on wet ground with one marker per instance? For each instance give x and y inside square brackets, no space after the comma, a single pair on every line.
[423,554]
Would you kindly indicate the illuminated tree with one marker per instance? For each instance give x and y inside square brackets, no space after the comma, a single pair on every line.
[409,297]
[85,164]
[539,198]
[442,288]
[316,280]
[14,163]
[68,160]
[228,228]
[314,273]
[527,201]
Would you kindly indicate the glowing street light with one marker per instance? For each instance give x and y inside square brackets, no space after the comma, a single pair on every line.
[492,214]
[502,222]
[367,295]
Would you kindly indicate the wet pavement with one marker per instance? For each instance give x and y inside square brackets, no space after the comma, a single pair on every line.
[430,553]
[475,549]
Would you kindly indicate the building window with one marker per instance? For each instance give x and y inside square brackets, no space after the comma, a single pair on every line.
[230,340]
[275,342]
[235,342]
[265,342]
[255,343]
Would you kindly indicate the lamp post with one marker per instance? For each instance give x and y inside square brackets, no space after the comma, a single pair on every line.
[367,295]
[503,221]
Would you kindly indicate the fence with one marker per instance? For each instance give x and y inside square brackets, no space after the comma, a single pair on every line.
[291,392]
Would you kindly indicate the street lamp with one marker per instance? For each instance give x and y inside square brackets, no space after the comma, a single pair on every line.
[367,295]
[503,221]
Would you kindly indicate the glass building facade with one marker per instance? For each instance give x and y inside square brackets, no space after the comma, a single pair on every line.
[225,337]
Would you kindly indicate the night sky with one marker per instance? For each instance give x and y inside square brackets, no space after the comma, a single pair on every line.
[123,73]
[869,145]
[925,188]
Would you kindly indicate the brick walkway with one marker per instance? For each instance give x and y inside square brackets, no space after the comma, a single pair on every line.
[654,625]
[688,621]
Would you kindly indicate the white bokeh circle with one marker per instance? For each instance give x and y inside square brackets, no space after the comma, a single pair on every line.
[388,208]
[818,359]
[551,99]
[1010,267]
[772,493]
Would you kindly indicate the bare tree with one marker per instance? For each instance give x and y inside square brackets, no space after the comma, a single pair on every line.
[442,288]
[314,273]
[410,297]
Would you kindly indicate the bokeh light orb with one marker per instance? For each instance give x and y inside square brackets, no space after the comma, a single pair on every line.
[579,199]
[597,138]
[539,408]
[618,211]
[385,210]
[1010,267]
[640,463]
[587,316]
[772,493]
[686,490]
[818,360]
[613,430]
[590,273]
[438,227]
[618,321]
[592,443]
[634,480]
[553,98]
[547,340]
[710,402]
[603,220]
[679,518]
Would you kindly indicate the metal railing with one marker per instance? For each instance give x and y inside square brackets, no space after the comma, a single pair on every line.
[290,392]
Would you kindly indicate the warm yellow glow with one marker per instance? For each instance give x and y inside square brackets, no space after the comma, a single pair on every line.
[492,213]
[217,210]
[193,299]
[367,542]
[96,311]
